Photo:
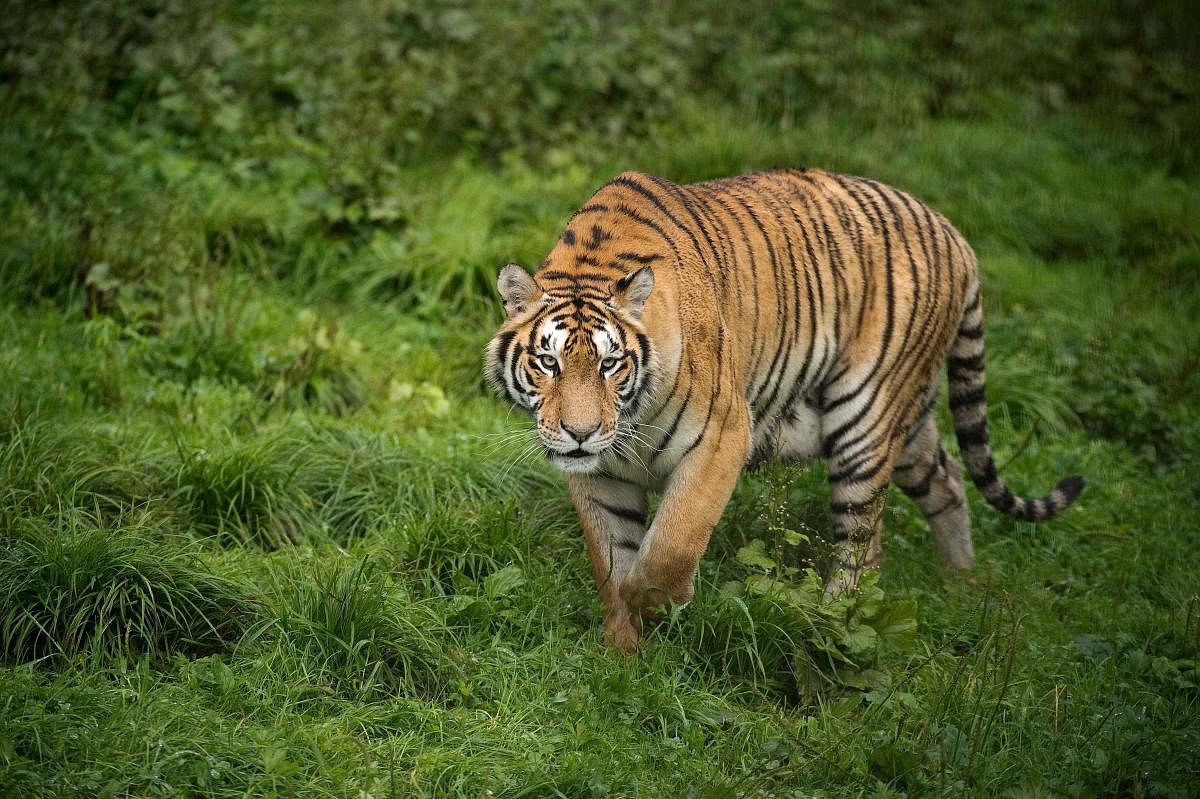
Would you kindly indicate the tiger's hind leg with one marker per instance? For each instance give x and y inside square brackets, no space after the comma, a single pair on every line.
[932,479]
[863,446]
[857,544]
[858,482]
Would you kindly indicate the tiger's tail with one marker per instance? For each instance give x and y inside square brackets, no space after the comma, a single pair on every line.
[969,408]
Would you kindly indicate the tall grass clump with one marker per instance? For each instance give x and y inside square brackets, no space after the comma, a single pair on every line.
[45,466]
[950,718]
[71,586]
[349,625]
[356,480]
[340,482]
[243,495]
[461,227]
[316,481]
[38,250]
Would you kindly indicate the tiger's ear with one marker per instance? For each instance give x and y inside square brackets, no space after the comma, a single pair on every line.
[630,292]
[517,289]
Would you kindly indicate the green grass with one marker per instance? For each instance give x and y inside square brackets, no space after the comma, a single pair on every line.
[264,531]
[77,588]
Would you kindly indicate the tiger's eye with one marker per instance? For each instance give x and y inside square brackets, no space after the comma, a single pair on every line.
[607,364]
[548,362]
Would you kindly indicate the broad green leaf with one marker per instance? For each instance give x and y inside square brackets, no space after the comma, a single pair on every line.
[896,622]
[755,554]
[502,583]
[859,639]
[795,538]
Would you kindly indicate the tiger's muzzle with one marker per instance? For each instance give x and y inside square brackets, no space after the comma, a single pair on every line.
[575,449]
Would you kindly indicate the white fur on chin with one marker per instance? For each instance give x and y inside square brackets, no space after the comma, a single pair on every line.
[575,465]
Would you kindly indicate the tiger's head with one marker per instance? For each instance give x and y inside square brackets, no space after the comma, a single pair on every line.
[580,361]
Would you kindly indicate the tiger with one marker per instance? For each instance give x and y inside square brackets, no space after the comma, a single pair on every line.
[677,334]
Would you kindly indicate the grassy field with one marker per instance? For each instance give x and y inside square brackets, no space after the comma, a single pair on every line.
[264,532]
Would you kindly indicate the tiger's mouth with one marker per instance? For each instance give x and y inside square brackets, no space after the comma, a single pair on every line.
[577,460]
[579,452]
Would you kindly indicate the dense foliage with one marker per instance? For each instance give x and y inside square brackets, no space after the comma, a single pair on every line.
[279,136]
[264,532]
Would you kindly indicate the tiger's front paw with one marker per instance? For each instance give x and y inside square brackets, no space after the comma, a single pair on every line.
[649,601]
[621,631]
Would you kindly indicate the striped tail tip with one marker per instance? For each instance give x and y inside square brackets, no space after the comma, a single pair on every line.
[1069,489]
[1035,510]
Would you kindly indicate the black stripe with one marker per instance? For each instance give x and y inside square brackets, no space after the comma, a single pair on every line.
[987,478]
[796,271]
[834,260]
[703,428]
[726,258]
[554,274]
[755,338]
[627,211]
[889,295]
[971,332]
[591,208]
[972,437]
[851,473]
[502,343]
[1006,502]
[678,416]
[973,304]
[911,353]
[973,364]
[683,198]
[934,335]
[974,396]
[657,203]
[729,406]
[922,487]
[780,312]
[644,343]
[579,292]
[598,236]
[628,514]
[639,257]
[607,475]
[850,508]
[841,290]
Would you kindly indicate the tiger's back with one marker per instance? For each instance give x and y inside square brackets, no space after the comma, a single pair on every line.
[803,287]
[790,313]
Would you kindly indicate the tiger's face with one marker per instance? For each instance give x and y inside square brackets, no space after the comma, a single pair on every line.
[580,363]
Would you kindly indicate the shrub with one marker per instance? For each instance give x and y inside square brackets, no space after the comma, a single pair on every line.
[777,631]
[317,369]
[775,627]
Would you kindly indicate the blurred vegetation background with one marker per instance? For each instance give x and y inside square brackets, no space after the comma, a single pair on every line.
[311,141]
[263,531]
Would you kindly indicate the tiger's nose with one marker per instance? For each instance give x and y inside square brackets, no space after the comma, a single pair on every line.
[578,433]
